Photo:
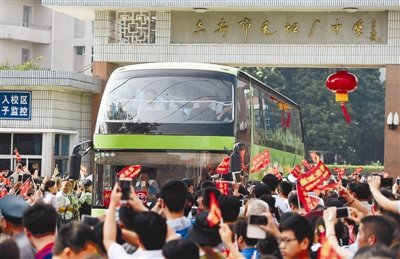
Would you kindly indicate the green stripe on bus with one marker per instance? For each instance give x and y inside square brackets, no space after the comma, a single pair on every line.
[98,212]
[162,142]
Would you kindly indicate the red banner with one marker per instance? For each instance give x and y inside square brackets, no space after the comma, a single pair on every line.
[260,161]
[223,167]
[296,172]
[306,165]
[276,173]
[17,155]
[309,202]
[130,172]
[223,186]
[106,197]
[214,216]
[142,195]
[314,178]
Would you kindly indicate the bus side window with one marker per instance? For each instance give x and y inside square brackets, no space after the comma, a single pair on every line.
[242,111]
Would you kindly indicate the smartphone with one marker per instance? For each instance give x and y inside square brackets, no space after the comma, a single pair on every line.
[90,221]
[387,182]
[343,212]
[194,211]
[142,184]
[125,186]
[236,177]
[258,220]
[398,181]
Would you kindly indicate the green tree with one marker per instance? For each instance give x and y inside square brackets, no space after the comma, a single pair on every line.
[324,126]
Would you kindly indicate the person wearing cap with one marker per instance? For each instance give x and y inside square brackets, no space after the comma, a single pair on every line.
[206,236]
[11,213]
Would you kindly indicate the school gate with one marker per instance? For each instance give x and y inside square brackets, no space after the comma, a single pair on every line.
[284,33]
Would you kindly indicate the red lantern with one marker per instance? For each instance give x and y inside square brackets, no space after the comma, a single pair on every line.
[342,83]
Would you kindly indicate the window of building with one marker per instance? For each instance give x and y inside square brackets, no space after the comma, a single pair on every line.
[80,50]
[26,55]
[5,144]
[61,151]
[29,147]
[26,20]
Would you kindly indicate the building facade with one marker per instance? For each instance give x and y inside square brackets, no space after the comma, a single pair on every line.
[290,33]
[32,32]
[44,113]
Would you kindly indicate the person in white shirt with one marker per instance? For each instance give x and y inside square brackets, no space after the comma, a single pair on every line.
[150,227]
[64,206]
[50,191]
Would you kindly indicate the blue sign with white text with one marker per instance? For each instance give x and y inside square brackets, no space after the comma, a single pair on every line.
[15,105]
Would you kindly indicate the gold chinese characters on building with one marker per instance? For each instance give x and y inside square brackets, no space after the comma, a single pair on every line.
[273,27]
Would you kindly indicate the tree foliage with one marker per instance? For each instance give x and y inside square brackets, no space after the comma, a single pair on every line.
[29,65]
[325,129]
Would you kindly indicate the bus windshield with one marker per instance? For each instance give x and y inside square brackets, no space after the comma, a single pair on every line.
[137,97]
[160,166]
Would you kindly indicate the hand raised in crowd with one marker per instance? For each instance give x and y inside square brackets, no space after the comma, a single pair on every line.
[374,182]
[116,195]
[355,215]
[271,226]
[135,203]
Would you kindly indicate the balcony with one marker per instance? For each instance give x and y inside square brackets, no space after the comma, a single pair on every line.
[25,32]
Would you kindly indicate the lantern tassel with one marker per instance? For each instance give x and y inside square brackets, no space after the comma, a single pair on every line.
[345,113]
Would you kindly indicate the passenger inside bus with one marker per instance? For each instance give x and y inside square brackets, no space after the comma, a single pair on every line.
[147,185]
[201,110]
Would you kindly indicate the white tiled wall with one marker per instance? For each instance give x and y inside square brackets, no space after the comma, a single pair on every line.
[246,54]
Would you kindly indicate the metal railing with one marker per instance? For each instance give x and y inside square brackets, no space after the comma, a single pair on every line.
[27,25]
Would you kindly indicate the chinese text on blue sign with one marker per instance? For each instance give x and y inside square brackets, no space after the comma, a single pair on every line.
[15,105]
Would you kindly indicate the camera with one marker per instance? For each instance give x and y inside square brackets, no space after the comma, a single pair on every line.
[236,177]
[125,185]
[343,212]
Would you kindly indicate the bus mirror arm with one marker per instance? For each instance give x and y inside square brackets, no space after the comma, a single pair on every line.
[76,158]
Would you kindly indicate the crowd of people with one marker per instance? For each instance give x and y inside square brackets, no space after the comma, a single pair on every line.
[356,219]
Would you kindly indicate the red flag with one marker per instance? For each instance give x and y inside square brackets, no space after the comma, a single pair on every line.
[296,172]
[340,173]
[242,153]
[260,161]
[314,157]
[276,173]
[223,167]
[214,216]
[315,177]
[309,202]
[357,171]
[326,251]
[6,181]
[25,188]
[17,155]
[223,186]
[3,192]
[130,172]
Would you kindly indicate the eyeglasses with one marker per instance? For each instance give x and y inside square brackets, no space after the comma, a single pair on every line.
[287,240]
